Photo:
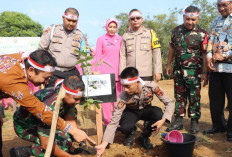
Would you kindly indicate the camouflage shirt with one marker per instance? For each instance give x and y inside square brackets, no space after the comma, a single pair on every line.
[189,46]
[48,97]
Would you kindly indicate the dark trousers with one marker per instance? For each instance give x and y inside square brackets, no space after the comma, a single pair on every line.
[61,75]
[130,117]
[219,85]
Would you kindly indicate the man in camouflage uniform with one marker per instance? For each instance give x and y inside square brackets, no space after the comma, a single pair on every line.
[29,128]
[188,46]
[134,104]
[62,41]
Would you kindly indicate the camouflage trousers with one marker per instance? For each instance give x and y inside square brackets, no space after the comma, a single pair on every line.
[187,86]
[29,132]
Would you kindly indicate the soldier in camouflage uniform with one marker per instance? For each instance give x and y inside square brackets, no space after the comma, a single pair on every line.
[32,129]
[188,46]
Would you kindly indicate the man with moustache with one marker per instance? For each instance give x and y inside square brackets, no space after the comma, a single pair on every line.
[188,47]
[219,56]
[62,41]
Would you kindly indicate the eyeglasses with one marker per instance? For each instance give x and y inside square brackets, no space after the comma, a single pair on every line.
[133,18]
[223,5]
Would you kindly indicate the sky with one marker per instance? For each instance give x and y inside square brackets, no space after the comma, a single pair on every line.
[93,13]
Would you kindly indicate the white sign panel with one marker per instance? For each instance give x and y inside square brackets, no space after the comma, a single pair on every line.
[9,45]
[98,85]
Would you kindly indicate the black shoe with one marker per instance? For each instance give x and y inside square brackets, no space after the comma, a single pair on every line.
[194,126]
[229,136]
[176,125]
[214,131]
[129,139]
[145,142]
[24,151]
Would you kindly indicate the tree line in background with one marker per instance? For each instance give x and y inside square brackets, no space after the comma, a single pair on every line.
[163,24]
[14,24]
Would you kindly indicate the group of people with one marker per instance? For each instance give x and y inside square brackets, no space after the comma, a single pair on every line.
[135,59]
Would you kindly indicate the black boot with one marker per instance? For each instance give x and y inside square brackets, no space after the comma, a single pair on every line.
[129,138]
[144,138]
[177,124]
[24,151]
[194,126]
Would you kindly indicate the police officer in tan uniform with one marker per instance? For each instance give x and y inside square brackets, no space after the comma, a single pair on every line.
[141,49]
[62,41]
[134,104]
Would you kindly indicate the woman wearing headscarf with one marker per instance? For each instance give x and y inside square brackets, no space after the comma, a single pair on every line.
[108,49]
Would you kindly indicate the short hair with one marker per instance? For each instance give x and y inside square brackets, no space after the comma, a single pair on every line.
[74,82]
[129,72]
[134,10]
[71,10]
[41,57]
[192,9]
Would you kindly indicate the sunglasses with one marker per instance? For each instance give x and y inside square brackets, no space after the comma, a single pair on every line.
[133,18]
[223,5]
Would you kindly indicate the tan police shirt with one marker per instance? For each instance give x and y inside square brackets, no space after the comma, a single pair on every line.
[136,51]
[62,45]
[138,101]
[14,84]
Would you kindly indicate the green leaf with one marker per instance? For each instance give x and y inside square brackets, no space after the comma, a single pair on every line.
[96,104]
[89,58]
[83,65]
[89,65]
[90,101]
[81,61]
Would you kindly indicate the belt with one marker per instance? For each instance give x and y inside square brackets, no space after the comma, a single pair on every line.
[64,69]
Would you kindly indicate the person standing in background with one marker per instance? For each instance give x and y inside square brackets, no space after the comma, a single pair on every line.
[108,49]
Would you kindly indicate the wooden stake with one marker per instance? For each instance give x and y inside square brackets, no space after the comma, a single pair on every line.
[54,122]
[99,124]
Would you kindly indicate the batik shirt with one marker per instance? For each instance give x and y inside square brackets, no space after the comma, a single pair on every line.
[220,41]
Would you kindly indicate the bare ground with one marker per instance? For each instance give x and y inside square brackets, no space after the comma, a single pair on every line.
[205,146]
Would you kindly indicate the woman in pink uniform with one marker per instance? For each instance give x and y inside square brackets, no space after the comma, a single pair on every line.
[108,49]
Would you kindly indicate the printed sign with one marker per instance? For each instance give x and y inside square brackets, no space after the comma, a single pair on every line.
[100,87]
[9,45]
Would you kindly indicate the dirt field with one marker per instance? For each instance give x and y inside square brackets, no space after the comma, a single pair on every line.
[205,146]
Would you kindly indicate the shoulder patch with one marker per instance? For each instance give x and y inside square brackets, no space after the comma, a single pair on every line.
[47,30]
[120,104]
[158,91]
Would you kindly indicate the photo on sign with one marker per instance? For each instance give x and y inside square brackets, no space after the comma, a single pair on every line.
[100,87]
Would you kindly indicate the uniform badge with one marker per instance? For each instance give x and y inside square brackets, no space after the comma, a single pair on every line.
[77,37]
[47,30]
[120,104]
[158,91]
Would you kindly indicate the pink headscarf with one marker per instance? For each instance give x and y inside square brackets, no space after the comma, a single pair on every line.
[111,20]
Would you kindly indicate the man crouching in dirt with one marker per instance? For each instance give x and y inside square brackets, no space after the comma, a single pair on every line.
[134,104]
[16,70]
[29,128]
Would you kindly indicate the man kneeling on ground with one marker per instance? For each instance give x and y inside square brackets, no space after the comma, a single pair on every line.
[134,104]
[29,128]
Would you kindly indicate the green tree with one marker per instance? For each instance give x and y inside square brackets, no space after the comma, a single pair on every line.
[208,11]
[14,24]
